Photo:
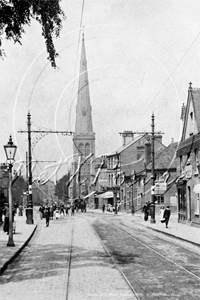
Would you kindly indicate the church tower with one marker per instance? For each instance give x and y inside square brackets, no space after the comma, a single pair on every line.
[83,137]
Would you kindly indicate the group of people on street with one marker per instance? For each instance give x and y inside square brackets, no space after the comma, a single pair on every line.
[164,213]
[50,211]
[111,208]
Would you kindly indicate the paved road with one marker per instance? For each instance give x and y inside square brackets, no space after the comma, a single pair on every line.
[157,267]
[41,270]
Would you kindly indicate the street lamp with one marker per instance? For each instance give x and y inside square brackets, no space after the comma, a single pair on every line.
[153,171]
[10,150]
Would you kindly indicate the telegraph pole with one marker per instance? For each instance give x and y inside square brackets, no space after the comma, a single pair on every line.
[29,210]
[152,170]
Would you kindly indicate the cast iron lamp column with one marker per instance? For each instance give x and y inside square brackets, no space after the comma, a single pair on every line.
[153,172]
[10,150]
[29,209]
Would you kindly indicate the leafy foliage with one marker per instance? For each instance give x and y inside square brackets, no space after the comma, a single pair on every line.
[18,188]
[61,190]
[15,14]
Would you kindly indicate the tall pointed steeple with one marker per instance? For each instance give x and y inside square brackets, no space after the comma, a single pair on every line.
[83,108]
[83,137]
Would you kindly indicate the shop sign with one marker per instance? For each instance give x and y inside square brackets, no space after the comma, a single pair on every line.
[160,188]
[188,171]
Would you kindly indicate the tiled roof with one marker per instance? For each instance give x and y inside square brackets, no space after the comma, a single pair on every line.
[166,159]
[137,166]
[122,148]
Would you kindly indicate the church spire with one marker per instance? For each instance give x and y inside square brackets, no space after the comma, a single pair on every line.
[83,108]
[83,137]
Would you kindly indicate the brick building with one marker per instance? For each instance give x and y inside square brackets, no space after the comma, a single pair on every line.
[188,153]
[120,166]
[138,174]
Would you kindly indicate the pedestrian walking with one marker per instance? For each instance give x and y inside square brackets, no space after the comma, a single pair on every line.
[6,218]
[72,210]
[57,213]
[41,210]
[166,215]
[20,210]
[103,208]
[145,210]
[51,212]
[161,213]
[62,212]
[47,215]
[66,210]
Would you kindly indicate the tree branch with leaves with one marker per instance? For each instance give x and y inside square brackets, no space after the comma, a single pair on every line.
[16,14]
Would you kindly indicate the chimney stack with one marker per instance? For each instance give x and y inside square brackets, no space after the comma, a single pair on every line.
[158,138]
[127,137]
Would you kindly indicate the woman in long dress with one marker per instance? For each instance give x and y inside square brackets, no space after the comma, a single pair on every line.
[161,213]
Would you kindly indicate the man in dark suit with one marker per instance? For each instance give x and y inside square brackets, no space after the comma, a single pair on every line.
[47,215]
[166,215]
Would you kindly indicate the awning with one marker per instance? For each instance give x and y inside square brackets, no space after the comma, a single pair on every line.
[106,195]
[90,194]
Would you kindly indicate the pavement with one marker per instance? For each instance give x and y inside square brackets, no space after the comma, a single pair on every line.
[21,237]
[24,233]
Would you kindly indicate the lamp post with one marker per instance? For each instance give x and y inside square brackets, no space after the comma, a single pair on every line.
[29,209]
[153,172]
[10,150]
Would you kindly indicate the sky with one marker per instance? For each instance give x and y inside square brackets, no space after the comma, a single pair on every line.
[141,56]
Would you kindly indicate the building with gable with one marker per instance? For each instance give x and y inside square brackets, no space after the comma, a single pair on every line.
[121,167]
[188,153]
[83,137]
[138,175]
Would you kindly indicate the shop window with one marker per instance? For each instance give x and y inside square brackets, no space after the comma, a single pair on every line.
[159,199]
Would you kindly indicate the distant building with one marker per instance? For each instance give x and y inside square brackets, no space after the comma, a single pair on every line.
[188,153]
[165,177]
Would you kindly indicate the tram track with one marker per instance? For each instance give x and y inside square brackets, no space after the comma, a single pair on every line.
[158,253]
[139,259]
[69,261]
[115,264]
